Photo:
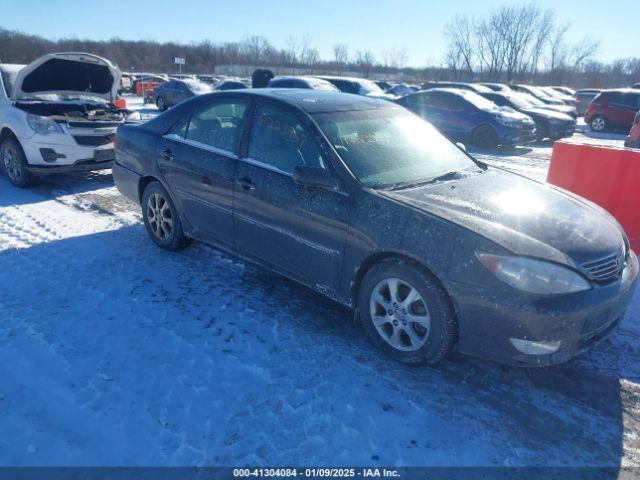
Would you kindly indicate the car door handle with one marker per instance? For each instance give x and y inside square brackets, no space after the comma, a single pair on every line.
[246,183]
[167,155]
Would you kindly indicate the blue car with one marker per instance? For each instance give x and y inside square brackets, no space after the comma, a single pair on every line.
[465,116]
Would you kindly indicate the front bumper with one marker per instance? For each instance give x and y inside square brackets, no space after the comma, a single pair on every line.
[75,149]
[516,135]
[557,131]
[489,317]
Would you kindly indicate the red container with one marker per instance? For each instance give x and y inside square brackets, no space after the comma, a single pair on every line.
[608,176]
[148,88]
[120,103]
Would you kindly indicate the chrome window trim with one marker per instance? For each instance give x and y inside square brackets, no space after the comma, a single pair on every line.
[203,146]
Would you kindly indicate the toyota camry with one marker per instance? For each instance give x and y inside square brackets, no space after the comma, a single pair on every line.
[366,203]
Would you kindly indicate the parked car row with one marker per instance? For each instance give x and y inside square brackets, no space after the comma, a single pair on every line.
[351,195]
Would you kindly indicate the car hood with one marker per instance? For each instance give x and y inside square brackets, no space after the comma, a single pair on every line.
[560,108]
[550,114]
[521,215]
[68,75]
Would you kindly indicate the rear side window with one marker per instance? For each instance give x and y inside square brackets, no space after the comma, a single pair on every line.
[219,125]
[279,140]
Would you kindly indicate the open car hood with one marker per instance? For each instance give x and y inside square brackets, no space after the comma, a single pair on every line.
[68,74]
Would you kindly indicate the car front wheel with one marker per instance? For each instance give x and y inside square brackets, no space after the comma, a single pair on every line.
[14,163]
[485,137]
[406,313]
[161,104]
[161,218]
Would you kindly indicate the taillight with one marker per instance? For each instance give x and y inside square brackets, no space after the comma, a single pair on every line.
[578,101]
[636,120]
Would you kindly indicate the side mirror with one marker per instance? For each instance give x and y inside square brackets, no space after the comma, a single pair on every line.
[314,177]
[461,146]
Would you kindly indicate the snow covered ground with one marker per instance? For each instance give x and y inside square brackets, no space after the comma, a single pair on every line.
[114,352]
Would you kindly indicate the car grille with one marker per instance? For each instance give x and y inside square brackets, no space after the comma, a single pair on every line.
[94,140]
[605,269]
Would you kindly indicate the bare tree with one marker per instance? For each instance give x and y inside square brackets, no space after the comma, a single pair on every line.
[460,33]
[340,54]
[396,57]
[364,61]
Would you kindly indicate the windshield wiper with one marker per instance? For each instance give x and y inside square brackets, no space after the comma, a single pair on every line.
[440,178]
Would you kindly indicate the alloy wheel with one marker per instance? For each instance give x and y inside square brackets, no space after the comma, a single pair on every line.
[159,216]
[400,314]
[598,124]
[12,164]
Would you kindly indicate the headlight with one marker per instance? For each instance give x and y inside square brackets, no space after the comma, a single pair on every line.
[43,125]
[534,276]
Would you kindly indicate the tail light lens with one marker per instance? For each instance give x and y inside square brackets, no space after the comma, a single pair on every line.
[578,101]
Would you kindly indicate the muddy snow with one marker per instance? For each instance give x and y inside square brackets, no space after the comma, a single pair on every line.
[115,352]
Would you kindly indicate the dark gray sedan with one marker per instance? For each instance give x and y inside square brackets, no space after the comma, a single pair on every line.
[368,204]
[173,92]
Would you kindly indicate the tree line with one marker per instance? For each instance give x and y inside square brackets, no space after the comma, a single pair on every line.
[511,44]
[526,44]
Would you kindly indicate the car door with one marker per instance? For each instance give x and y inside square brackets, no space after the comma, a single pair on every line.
[625,105]
[298,231]
[198,159]
[181,93]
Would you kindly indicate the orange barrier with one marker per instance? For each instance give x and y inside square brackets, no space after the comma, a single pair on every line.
[120,103]
[608,176]
[148,88]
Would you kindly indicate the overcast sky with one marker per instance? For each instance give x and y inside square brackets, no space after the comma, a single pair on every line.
[373,25]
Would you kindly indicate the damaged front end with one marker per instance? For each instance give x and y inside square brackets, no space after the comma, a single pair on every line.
[68,102]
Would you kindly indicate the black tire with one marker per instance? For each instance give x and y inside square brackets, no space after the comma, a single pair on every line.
[599,124]
[485,137]
[542,131]
[161,103]
[441,336]
[14,163]
[162,221]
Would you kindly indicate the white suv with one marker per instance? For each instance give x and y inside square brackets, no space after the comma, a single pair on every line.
[57,115]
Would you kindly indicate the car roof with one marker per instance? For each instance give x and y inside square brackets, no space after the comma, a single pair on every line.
[317,101]
[348,79]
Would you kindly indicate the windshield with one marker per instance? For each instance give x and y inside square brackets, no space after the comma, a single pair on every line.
[527,97]
[478,100]
[198,87]
[322,85]
[520,101]
[385,148]
[367,86]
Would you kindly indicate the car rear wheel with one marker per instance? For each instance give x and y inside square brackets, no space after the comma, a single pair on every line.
[598,123]
[406,313]
[161,104]
[161,218]
[485,137]
[14,163]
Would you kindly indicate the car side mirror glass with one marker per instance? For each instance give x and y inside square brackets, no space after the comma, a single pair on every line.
[314,177]
[461,146]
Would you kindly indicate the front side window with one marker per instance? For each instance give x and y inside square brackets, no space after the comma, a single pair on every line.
[279,140]
[386,148]
[218,125]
